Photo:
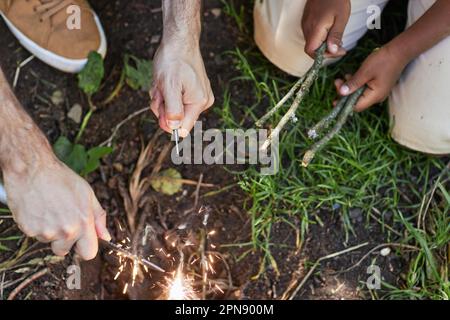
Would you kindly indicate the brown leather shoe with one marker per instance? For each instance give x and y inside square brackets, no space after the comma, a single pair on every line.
[59,32]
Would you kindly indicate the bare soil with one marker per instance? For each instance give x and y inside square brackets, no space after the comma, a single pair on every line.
[135,27]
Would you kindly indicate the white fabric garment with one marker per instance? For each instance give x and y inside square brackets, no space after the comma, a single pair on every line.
[419,105]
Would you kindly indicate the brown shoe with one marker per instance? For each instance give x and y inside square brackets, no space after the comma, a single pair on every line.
[59,32]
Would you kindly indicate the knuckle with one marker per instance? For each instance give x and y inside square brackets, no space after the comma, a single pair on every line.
[68,232]
[48,235]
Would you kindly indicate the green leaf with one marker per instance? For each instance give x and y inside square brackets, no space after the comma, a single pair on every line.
[138,72]
[94,156]
[90,78]
[4,248]
[62,148]
[11,238]
[167,182]
[77,159]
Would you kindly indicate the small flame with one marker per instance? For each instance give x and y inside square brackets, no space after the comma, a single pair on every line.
[180,287]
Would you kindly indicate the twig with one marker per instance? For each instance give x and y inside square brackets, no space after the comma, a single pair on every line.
[281,103]
[375,249]
[19,68]
[26,282]
[116,129]
[345,113]
[326,121]
[316,264]
[197,190]
[310,78]
[423,211]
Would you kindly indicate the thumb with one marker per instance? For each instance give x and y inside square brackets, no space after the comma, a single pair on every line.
[100,225]
[174,108]
[358,80]
[334,39]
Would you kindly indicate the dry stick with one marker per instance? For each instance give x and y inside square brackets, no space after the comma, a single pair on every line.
[383,245]
[26,282]
[281,103]
[310,78]
[326,121]
[116,129]
[346,112]
[316,264]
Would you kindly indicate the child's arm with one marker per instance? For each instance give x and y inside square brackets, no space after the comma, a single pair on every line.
[382,69]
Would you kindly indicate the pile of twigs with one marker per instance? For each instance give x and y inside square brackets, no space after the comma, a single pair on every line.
[340,113]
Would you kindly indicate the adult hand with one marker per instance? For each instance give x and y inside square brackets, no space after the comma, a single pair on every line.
[181,89]
[53,204]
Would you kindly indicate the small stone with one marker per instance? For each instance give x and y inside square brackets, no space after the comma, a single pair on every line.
[75,113]
[216,12]
[385,251]
[57,98]
[118,167]
[155,39]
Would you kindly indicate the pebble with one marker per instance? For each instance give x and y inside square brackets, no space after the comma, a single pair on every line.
[57,97]
[216,12]
[155,39]
[385,251]
[75,113]
[118,167]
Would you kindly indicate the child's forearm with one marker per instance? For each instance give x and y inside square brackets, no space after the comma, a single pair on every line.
[425,33]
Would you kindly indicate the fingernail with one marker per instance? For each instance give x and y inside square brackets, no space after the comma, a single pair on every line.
[174,124]
[107,236]
[183,133]
[334,48]
[345,89]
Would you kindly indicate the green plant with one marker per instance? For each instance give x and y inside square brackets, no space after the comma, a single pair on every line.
[138,72]
[76,156]
[89,81]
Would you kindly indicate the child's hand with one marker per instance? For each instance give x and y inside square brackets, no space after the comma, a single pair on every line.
[325,20]
[379,72]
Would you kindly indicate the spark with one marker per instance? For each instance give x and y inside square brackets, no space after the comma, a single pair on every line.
[125,288]
[180,287]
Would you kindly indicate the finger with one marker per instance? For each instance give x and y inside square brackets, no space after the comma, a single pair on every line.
[173,102]
[162,119]
[318,36]
[334,39]
[340,53]
[156,101]
[100,222]
[87,245]
[191,116]
[354,83]
[338,84]
[46,237]
[367,99]
[62,247]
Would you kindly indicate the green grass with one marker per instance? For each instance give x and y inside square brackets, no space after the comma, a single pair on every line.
[361,168]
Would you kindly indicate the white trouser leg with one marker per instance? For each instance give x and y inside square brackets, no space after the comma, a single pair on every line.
[419,105]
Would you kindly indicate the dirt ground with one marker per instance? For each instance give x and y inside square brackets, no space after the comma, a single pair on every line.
[135,27]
